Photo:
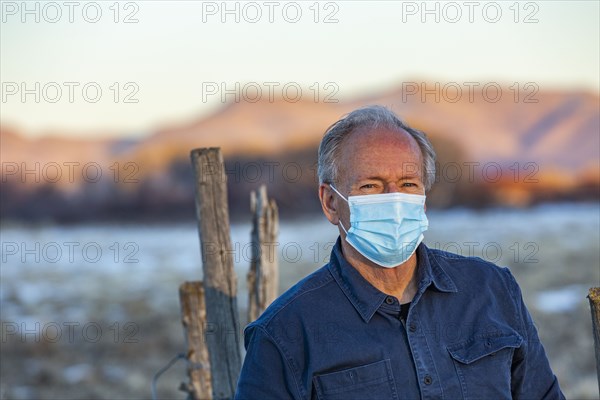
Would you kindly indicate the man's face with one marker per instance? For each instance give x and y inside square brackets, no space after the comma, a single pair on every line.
[374,162]
[380,161]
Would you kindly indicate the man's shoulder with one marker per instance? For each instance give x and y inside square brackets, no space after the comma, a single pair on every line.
[292,304]
[470,269]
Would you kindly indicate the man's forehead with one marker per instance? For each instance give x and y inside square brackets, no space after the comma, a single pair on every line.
[399,169]
[381,143]
[380,153]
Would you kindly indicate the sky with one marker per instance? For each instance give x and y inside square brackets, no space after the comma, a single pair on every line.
[128,68]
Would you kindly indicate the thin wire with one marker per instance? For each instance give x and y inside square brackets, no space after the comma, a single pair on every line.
[162,371]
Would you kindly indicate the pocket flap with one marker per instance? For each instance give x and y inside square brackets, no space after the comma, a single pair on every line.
[476,348]
[363,375]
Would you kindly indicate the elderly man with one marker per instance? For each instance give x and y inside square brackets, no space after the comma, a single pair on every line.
[387,317]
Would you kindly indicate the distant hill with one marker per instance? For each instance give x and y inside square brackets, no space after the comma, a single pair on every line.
[505,152]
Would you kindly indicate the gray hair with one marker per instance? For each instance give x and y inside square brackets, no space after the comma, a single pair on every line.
[370,117]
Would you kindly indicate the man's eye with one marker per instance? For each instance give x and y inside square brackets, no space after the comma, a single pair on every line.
[368,186]
[409,184]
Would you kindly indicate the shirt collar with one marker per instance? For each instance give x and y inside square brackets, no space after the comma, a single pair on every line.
[429,270]
[366,298]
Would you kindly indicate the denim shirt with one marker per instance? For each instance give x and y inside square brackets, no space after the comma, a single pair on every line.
[333,335]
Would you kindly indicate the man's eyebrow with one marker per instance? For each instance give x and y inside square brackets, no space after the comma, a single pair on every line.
[411,176]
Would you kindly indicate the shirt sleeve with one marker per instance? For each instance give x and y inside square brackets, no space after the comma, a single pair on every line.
[532,377]
[265,372]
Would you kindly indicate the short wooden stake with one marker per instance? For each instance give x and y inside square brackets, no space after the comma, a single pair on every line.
[594,297]
[193,317]
[263,276]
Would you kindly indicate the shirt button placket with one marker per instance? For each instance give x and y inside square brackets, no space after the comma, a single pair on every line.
[423,358]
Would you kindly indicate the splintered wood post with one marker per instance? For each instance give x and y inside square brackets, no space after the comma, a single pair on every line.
[594,297]
[220,282]
[193,317]
[263,276]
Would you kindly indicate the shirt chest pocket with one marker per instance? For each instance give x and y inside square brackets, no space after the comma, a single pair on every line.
[370,381]
[483,365]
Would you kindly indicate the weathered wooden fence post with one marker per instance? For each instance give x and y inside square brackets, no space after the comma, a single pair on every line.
[263,276]
[594,297]
[220,282]
[193,317]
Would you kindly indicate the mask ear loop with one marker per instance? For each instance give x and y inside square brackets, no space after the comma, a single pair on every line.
[335,190]
[346,200]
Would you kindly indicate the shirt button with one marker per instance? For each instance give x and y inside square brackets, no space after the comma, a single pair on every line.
[427,380]
[412,328]
[389,300]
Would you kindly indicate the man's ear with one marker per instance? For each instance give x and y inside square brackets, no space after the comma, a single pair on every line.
[328,203]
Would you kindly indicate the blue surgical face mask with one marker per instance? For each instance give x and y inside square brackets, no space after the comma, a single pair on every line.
[386,228]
